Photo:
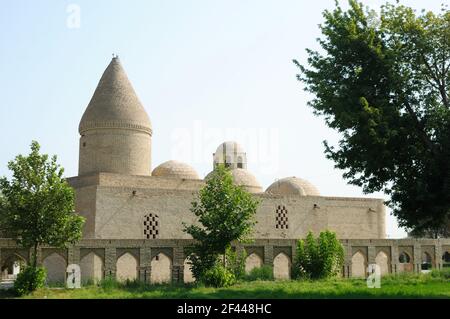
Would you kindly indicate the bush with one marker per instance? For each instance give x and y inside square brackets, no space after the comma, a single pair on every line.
[260,273]
[108,283]
[236,262]
[29,280]
[218,276]
[318,258]
[443,273]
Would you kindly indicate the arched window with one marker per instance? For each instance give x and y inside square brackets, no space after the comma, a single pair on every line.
[228,161]
[240,163]
[427,261]
[446,257]
[151,226]
[404,258]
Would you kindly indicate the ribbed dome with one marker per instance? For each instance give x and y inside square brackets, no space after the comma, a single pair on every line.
[293,186]
[115,103]
[175,169]
[243,177]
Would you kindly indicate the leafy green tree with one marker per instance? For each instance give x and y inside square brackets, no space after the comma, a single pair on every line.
[321,257]
[382,80]
[226,213]
[37,204]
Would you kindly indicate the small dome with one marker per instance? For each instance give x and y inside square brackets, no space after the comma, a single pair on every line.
[231,154]
[293,186]
[175,169]
[243,177]
[229,146]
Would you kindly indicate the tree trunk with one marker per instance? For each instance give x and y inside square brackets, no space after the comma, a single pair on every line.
[34,257]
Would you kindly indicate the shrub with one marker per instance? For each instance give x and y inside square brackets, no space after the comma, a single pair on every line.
[236,262]
[218,276]
[108,283]
[443,273]
[260,273]
[318,258]
[30,279]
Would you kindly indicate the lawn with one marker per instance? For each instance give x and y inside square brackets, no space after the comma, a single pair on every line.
[403,286]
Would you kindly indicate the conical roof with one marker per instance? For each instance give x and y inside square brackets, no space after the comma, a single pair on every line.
[115,103]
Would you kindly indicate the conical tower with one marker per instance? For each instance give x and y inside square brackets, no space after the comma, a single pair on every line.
[115,128]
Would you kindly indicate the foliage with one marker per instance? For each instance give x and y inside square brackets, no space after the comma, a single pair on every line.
[264,272]
[37,204]
[226,213]
[218,276]
[404,286]
[236,262]
[382,80]
[29,279]
[443,273]
[318,258]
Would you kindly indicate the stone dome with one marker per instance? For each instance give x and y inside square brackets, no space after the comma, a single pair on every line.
[293,186]
[232,146]
[115,103]
[243,177]
[175,169]
[231,154]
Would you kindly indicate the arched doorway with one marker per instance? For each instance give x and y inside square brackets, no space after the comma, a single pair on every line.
[11,267]
[56,269]
[126,268]
[405,264]
[382,260]
[252,261]
[427,262]
[161,269]
[359,265]
[282,267]
[91,267]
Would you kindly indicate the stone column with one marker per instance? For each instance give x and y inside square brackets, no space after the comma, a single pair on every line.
[371,254]
[73,255]
[110,262]
[417,258]
[394,259]
[144,264]
[438,255]
[348,260]
[178,265]
[268,255]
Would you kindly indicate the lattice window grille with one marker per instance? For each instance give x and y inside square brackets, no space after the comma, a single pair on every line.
[281,217]
[151,226]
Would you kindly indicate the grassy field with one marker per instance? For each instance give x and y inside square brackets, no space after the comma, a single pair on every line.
[403,286]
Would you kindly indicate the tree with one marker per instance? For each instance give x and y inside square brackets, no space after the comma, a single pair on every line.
[37,204]
[318,258]
[225,213]
[382,80]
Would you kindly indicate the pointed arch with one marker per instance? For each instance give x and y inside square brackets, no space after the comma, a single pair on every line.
[161,269]
[56,268]
[126,267]
[359,265]
[282,267]
[91,267]
[427,261]
[253,261]
[12,266]
[382,260]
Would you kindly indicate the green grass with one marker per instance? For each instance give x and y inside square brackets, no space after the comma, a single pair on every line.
[434,285]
